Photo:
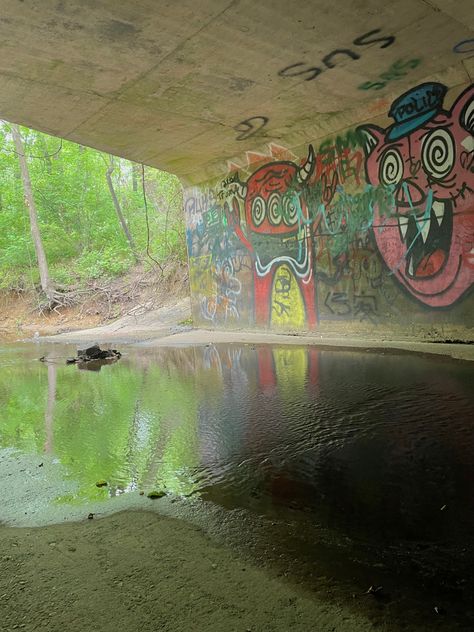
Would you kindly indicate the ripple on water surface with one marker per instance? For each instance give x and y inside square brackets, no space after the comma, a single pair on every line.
[377,448]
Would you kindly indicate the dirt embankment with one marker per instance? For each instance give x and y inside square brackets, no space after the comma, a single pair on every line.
[98,303]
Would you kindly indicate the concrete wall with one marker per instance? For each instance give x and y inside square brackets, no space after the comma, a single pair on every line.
[367,232]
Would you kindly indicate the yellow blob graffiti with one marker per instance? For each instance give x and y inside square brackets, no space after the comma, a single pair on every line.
[288,310]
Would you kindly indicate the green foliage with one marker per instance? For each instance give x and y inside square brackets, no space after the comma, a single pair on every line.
[81,232]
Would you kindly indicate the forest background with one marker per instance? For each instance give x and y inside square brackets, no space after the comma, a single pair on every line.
[99,219]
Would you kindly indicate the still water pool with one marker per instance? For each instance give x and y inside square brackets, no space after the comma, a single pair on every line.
[359,466]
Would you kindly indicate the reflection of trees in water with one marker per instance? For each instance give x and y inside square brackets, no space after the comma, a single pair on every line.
[131,422]
[48,414]
[133,425]
[349,432]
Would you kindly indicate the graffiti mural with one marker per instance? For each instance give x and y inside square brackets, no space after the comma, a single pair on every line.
[368,227]
[426,158]
[277,230]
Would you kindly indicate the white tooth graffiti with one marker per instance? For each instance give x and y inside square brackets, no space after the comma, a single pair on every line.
[468,143]
[424,227]
[403,224]
[410,267]
[438,208]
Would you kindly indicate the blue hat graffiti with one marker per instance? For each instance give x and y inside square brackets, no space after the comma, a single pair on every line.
[415,108]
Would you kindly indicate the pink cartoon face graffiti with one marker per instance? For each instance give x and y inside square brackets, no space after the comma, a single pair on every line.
[426,160]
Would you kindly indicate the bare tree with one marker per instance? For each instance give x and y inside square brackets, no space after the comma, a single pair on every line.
[135,176]
[46,284]
[118,208]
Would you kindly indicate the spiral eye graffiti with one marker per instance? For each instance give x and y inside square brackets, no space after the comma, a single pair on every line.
[274,209]
[391,168]
[258,210]
[290,210]
[438,153]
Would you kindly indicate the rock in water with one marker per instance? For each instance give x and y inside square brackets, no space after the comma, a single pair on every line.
[94,354]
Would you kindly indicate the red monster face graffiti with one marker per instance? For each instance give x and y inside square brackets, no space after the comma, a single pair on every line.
[276,214]
[268,208]
[426,160]
[277,229]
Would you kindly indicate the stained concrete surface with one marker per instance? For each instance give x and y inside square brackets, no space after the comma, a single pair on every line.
[189,86]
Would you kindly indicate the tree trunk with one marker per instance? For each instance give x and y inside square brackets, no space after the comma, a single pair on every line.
[135,176]
[118,209]
[46,284]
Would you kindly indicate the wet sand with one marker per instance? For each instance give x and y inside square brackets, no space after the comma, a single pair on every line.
[141,571]
[204,336]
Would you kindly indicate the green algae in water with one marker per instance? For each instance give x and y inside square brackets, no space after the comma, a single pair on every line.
[156,493]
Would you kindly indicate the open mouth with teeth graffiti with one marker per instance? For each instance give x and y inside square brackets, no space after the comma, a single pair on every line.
[427,237]
[425,160]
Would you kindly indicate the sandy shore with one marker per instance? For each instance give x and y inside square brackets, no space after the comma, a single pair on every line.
[137,571]
[139,565]
[166,326]
[166,335]
[201,336]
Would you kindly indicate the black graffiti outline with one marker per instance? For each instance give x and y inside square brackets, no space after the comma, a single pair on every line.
[250,129]
[315,71]
[284,308]
[327,60]
[338,298]
[388,39]
[365,306]
[461,43]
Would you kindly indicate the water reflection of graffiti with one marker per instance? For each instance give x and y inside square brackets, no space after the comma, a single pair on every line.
[288,242]
[290,369]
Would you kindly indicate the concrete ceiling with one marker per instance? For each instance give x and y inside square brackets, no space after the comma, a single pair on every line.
[171,84]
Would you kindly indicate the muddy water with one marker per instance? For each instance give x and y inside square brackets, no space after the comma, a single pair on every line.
[340,469]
